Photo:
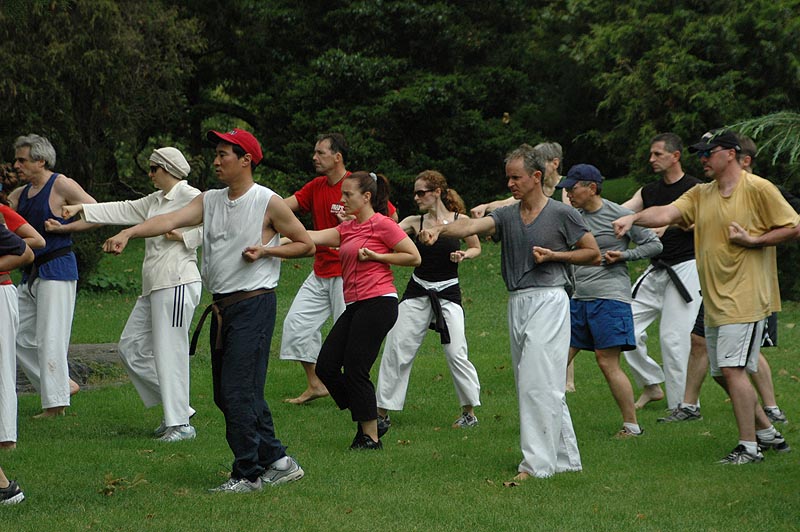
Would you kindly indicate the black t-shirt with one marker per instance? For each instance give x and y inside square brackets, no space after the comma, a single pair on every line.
[678,244]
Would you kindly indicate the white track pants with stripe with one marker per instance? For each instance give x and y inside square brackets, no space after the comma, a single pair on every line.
[9,322]
[154,348]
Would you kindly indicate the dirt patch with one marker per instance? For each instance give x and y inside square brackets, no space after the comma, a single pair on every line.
[89,365]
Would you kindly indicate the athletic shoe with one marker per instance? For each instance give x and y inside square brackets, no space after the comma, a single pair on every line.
[777,444]
[11,494]
[681,414]
[237,485]
[625,433]
[161,430]
[365,443]
[465,421]
[178,433]
[384,424]
[740,456]
[273,477]
[776,415]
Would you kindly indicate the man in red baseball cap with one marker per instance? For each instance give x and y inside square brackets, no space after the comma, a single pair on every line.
[241,271]
[241,139]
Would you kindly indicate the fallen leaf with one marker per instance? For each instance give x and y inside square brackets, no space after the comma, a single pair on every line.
[510,484]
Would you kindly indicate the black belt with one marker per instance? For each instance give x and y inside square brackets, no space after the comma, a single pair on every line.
[217,307]
[676,280]
[33,270]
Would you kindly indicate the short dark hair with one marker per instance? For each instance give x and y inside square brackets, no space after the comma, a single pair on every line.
[672,142]
[337,142]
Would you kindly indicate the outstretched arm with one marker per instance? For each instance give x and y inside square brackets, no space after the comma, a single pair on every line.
[461,228]
[479,211]
[191,214]
[651,217]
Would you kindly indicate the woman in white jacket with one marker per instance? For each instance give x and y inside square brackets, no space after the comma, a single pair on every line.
[154,345]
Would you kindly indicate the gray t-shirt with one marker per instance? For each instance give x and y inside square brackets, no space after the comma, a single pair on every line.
[612,281]
[558,227]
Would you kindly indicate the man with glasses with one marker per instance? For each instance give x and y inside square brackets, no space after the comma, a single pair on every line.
[47,292]
[740,284]
[669,287]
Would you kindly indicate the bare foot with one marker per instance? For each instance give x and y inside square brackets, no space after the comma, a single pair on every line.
[74,387]
[307,396]
[56,411]
[523,476]
[651,392]
[8,445]
[570,387]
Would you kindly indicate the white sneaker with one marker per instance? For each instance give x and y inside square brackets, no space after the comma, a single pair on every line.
[237,485]
[178,433]
[273,477]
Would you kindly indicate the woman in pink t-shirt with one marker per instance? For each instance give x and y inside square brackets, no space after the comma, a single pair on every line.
[368,245]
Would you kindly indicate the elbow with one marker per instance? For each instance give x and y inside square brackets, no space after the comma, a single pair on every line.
[311,249]
[416,261]
[28,256]
[596,258]
[38,243]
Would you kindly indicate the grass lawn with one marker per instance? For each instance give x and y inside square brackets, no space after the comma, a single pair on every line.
[98,468]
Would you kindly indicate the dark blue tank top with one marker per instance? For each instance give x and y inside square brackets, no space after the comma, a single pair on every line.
[36,210]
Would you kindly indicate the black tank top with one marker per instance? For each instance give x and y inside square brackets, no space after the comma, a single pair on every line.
[678,244]
[436,264]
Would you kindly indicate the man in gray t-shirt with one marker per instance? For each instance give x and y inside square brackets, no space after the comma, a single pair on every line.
[539,238]
[600,309]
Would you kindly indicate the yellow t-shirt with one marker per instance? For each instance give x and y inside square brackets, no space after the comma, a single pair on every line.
[740,285]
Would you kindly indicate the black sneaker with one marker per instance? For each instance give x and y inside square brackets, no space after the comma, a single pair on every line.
[11,494]
[681,414]
[777,444]
[740,456]
[384,424]
[364,442]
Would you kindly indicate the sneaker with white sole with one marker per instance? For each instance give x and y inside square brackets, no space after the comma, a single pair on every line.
[274,477]
[12,494]
[237,485]
[681,414]
[740,456]
[777,444]
[776,415]
[178,433]
[465,421]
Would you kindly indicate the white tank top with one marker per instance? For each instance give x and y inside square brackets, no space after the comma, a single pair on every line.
[229,226]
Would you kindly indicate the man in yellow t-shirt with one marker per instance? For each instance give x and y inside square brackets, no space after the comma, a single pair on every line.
[739,283]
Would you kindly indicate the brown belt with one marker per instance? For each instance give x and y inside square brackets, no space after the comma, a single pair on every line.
[5,278]
[217,307]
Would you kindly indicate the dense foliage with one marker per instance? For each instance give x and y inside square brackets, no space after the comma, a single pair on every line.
[414,84]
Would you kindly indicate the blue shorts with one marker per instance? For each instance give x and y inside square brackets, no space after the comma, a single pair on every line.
[601,324]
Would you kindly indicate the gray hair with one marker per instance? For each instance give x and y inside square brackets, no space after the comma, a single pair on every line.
[532,158]
[40,147]
[672,142]
[550,150]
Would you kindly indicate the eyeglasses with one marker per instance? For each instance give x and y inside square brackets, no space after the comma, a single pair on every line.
[420,193]
[708,153]
[154,169]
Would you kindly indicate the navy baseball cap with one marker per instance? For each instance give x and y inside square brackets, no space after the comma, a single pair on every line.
[580,172]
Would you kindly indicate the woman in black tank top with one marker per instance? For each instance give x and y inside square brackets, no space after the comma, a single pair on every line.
[432,299]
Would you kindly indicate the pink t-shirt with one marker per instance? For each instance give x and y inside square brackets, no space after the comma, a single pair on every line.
[368,279]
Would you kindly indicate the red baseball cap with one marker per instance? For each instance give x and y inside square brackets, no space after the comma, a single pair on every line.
[239,137]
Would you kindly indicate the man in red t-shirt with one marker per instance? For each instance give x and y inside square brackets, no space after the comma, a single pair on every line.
[321,294]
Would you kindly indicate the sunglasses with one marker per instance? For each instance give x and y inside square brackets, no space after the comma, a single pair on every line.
[420,193]
[154,169]
[708,153]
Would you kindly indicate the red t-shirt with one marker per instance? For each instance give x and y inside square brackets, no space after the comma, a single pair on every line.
[368,279]
[13,222]
[319,198]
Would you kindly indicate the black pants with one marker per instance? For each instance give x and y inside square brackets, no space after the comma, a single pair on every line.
[350,350]
[240,373]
